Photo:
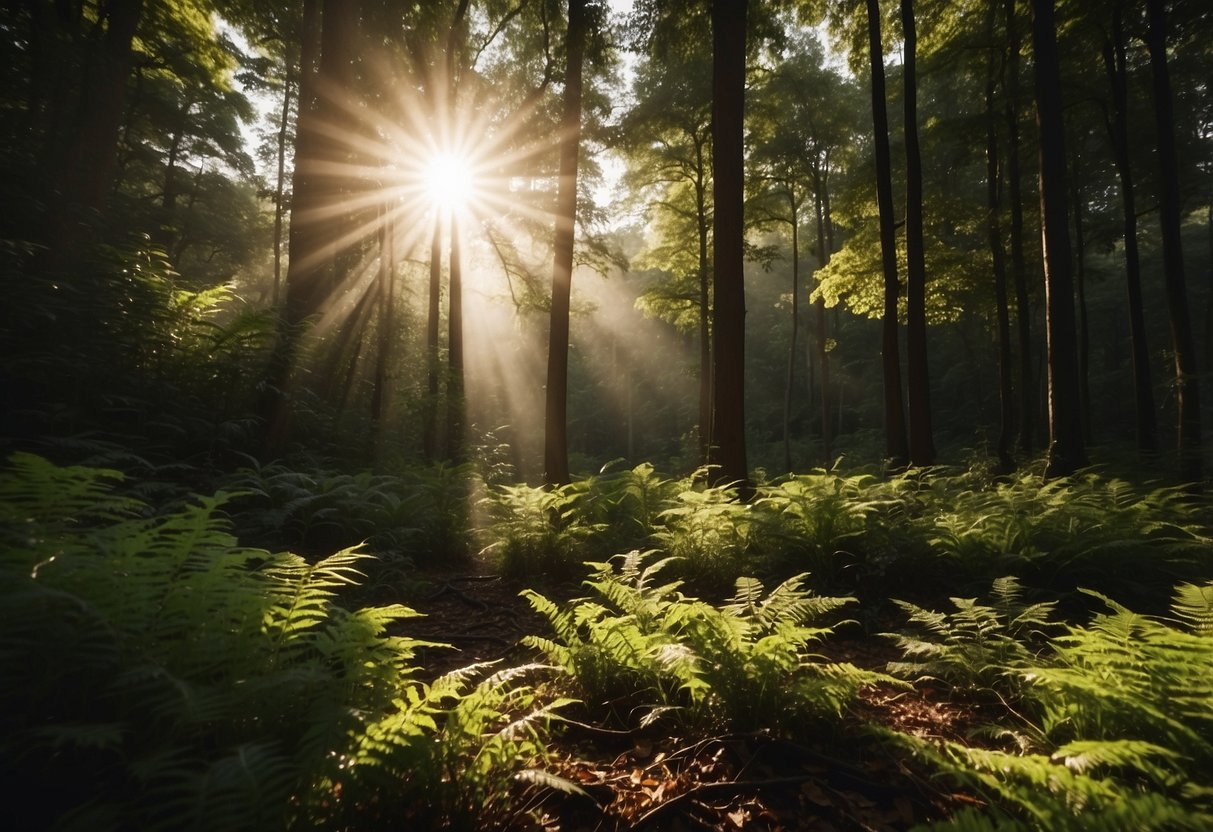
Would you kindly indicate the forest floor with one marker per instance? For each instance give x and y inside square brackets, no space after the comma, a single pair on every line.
[657,779]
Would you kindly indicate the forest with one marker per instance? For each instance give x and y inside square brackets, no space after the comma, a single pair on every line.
[606,414]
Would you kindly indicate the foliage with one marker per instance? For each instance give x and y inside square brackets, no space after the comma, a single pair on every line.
[537,530]
[1087,529]
[1125,733]
[745,663]
[162,676]
[819,518]
[416,514]
[713,533]
[979,646]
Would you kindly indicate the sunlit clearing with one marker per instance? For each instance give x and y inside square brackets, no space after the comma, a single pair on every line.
[448,181]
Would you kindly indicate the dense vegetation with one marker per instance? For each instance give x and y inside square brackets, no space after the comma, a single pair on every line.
[815,491]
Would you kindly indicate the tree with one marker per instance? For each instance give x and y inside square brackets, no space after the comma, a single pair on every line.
[998,255]
[1066,450]
[328,43]
[1019,278]
[1187,386]
[1115,65]
[668,143]
[555,451]
[896,446]
[793,138]
[728,449]
[85,146]
[922,445]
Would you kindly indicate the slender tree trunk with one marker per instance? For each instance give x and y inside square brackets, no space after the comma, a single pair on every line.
[998,255]
[280,186]
[84,171]
[433,316]
[922,444]
[1080,276]
[556,451]
[819,308]
[456,405]
[1143,387]
[1019,274]
[304,256]
[896,447]
[1187,383]
[381,393]
[705,329]
[1066,450]
[790,382]
[728,192]
[168,206]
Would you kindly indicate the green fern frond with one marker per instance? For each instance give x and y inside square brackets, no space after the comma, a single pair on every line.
[1193,604]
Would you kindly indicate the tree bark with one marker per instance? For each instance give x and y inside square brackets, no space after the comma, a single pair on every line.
[381,392]
[819,307]
[998,255]
[280,185]
[1187,384]
[312,244]
[83,172]
[896,447]
[705,329]
[1080,277]
[555,450]
[1066,451]
[922,444]
[790,382]
[456,407]
[1019,274]
[728,312]
[433,315]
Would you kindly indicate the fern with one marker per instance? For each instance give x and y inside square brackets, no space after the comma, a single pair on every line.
[1125,734]
[979,646]
[163,677]
[746,663]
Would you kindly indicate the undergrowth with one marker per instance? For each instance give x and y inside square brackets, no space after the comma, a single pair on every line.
[1116,728]
[639,643]
[161,676]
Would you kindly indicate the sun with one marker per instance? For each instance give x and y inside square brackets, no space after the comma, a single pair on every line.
[448,181]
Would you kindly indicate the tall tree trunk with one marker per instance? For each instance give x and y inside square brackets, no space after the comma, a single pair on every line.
[433,316]
[790,382]
[555,448]
[82,173]
[304,256]
[1143,388]
[922,445]
[896,448]
[456,405]
[998,255]
[819,307]
[1187,383]
[311,242]
[705,330]
[280,185]
[381,392]
[728,195]
[1080,276]
[1019,274]
[1066,450]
